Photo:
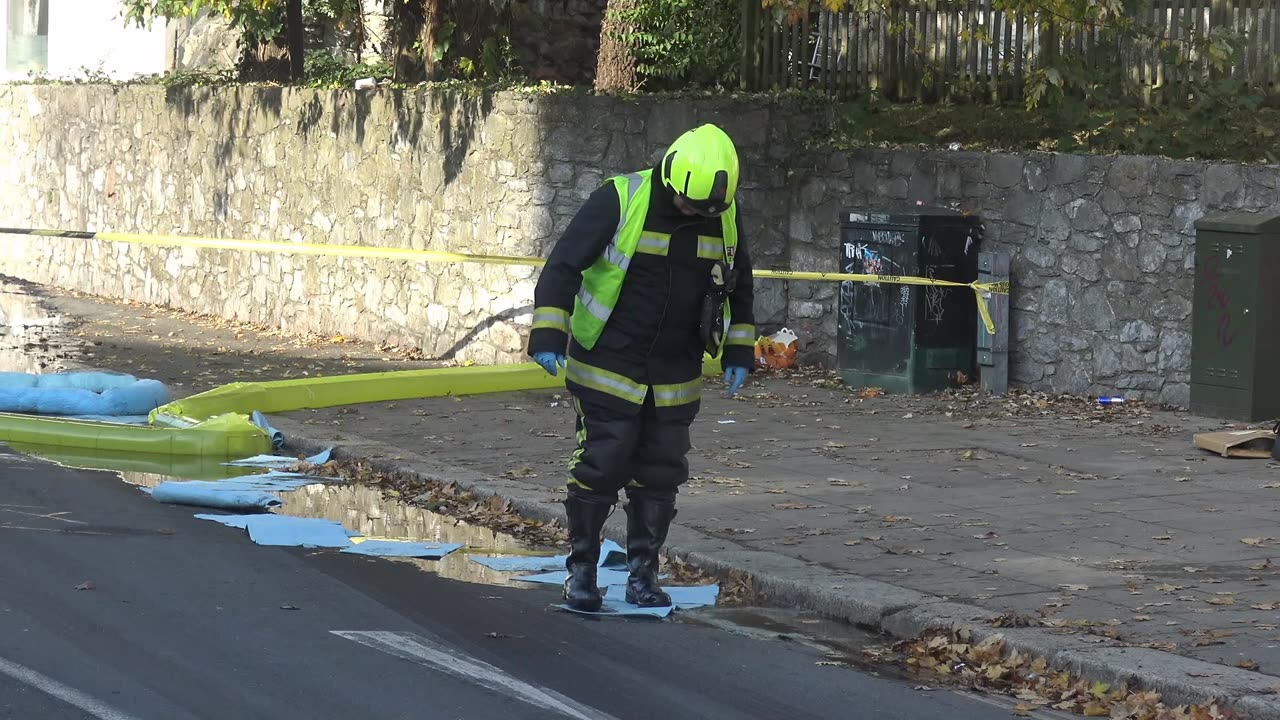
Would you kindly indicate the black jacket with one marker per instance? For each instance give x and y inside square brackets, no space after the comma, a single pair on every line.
[653,335]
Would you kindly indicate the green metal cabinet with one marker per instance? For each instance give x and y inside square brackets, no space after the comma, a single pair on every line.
[1235,321]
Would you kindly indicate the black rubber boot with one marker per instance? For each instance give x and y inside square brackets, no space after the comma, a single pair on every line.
[586,522]
[648,519]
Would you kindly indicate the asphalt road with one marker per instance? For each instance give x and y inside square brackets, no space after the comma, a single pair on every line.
[189,619]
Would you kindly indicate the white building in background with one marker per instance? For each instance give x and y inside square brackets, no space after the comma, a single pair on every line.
[69,38]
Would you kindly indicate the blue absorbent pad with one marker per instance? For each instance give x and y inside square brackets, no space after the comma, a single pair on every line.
[85,393]
[271,461]
[682,597]
[277,437]
[97,381]
[397,548]
[282,530]
[271,482]
[611,556]
[611,608]
[214,494]
[117,419]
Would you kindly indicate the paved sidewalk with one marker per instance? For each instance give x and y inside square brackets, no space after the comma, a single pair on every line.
[1096,524]
[1095,521]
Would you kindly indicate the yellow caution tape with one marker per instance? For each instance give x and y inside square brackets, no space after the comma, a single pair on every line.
[409,254]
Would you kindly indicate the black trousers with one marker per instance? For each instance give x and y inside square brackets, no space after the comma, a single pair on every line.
[637,451]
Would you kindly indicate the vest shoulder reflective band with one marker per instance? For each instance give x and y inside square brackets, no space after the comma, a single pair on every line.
[602,282]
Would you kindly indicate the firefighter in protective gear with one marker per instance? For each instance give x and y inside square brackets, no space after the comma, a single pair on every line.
[651,273]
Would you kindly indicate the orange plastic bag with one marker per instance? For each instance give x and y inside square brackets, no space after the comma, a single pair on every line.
[777,351]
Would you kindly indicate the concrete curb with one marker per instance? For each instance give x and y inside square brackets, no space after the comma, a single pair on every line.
[898,612]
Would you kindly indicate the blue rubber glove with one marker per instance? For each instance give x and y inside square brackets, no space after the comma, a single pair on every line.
[735,376]
[549,361]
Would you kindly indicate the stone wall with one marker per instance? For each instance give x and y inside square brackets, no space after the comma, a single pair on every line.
[428,170]
[1102,251]
[1102,248]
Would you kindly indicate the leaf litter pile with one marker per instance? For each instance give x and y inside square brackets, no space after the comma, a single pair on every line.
[954,657]
[442,498]
[967,401]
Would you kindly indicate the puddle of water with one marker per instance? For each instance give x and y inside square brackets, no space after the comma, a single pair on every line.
[32,340]
[363,509]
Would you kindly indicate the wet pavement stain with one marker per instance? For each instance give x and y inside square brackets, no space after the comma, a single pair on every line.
[32,338]
[364,510]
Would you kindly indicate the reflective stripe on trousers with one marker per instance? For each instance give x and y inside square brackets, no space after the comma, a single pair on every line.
[604,381]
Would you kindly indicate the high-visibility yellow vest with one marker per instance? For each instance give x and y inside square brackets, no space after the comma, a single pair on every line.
[602,282]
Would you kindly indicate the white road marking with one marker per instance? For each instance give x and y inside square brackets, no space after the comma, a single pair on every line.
[7,526]
[53,688]
[46,516]
[418,649]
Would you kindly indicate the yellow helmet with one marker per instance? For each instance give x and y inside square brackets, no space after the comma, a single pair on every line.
[701,167]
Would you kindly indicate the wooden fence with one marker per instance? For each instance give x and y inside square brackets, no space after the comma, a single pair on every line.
[931,50]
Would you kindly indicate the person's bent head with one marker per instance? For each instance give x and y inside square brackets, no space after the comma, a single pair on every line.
[701,168]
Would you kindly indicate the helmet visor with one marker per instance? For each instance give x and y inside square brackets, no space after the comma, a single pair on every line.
[713,207]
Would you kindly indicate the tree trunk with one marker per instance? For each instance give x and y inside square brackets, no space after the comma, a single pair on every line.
[415,25]
[296,35]
[615,65]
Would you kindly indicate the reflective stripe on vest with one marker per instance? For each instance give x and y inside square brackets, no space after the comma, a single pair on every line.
[602,282]
[653,243]
[710,248]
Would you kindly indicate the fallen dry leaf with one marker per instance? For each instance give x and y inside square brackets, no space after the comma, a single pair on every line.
[1248,665]
[1254,542]
[795,506]
[1221,601]
[87,585]
[1074,588]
